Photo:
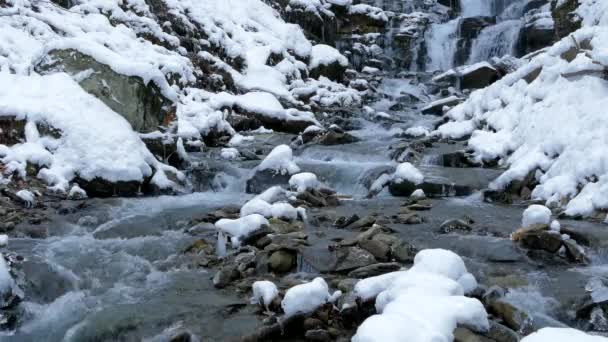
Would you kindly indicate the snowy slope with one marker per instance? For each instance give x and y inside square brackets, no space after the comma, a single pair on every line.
[549,117]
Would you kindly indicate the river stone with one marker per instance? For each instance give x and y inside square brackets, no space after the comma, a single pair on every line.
[282,227]
[465,335]
[265,179]
[343,221]
[347,285]
[364,222]
[511,315]
[374,270]
[408,218]
[402,188]
[141,104]
[378,249]
[454,225]
[350,258]
[320,335]
[573,251]
[225,276]
[336,138]
[501,333]
[404,252]
[541,239]
[386,238]
[281,261]
[311,323]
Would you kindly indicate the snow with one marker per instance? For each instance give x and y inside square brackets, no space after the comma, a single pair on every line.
[264,292]
[230,153]
[555,226]
[553,125]
[26,196]
[280,160]
[418,194]
[425,303]
[536,214]
[77,192]
[418,131]
[3,240]
[304,181]
[280,210]
[326,55]
[408,172]
[95,141]
[241,227]
[306,298]
[370,11]
[562,335]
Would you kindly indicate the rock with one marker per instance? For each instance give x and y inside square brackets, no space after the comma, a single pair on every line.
[364,222]
[402,188]
[469,30]
[574,252]
[200,246]
[320,335]
[13,130]
[386,238]
[311,323]
[99,187]
[404,252]
[265,179]
[501,333]
[511,315]
[318,198]
[465,335]
[535,35]
[282,227]
[343,221]
[565,17]
[225,276]
[347,285]
[378,249]
[374,270]
[409,218]
[141,103]
[541,239]
[478,77]
[458,159]
[164,149]
[335,138]
[454,225]
[350,258]
[436,107]
[281,261]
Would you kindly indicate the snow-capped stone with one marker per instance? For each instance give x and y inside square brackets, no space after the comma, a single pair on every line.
[304,181]
[264,292]
[305,298]
[536,215]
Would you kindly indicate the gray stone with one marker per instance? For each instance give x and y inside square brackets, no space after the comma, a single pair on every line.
[454,225]
[350,258]
[321,335]
[225,276]
[374,270]
[265,179]
[378,249]
[404,252]
[282,261]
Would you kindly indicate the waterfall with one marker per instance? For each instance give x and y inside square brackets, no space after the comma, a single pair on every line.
[495,41]
[476,8]
[441,44]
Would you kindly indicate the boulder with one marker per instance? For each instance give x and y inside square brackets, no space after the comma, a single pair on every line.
[564,16]
[335,138]
[454,225]
[350,258]
[541,239]
[281,261]
[374,270]
[265,179]
[403,252]
[141,104]
[378,249]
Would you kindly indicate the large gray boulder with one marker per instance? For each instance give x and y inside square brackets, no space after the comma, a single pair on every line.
[141,104]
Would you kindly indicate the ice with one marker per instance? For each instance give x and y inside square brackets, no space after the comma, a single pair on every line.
[264,292]
[536,214]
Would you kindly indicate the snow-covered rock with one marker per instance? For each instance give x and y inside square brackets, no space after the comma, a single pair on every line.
[305,298]
[264,292]
[241,227]
[561,335]
[536,215]
[425,303]
[303,181]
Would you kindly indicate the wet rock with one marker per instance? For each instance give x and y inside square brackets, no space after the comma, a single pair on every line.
[465,335]
[164,149]
[436,108]
[386,238]
[565,17]
[320,335]
[404,252]
[225,276]
[501,333]
[574,252]
[361,223]
[454,225]
[374,270]
[350,258]
[311,323]
[409,218]
[99,187]
[200,246]
[335,138]
[13,130]
[265,179]
[344,221]
[541,239]
[318,198]
[283,227]
[378,249]
[511,315]
[458,159]
[281,261]
[347,285]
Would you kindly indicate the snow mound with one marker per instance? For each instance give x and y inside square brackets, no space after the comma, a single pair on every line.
[425,303]
[562,335]
[326,55]
[280,160]
[547,118]
[408,172]
[264,292]
[306,298]
[241,227]
[536,214]
[94,142]
[304,181]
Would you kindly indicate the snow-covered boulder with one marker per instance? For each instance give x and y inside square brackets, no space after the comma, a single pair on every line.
[327,61]
[241,227]
[275,169]
[306,298]
[406,179]
[536,215]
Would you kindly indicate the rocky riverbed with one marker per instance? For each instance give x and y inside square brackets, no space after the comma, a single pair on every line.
[149,268]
